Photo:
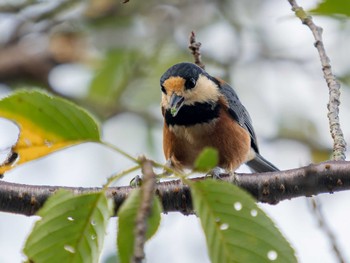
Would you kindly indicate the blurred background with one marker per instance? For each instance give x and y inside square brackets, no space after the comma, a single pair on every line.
[108,57]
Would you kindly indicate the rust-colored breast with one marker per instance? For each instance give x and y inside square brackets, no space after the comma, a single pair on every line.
[232,141]
[182,144]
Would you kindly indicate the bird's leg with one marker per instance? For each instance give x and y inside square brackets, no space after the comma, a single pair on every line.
[169,165]
[136,181]
[216,172]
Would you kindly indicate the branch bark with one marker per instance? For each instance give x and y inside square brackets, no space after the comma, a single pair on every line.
[17,63]
[194,47]
[327,177]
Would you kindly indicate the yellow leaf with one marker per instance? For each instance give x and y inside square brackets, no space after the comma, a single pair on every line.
[46,124]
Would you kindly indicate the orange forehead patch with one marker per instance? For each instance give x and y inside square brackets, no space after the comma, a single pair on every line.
[174,84]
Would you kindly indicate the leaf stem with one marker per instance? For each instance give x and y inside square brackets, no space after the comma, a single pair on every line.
[125,154]
[117,176]
[147,193]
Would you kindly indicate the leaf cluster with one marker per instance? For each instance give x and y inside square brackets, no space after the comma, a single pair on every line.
[72,227]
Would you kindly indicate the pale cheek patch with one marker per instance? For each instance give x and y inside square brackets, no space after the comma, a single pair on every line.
[205,91]
[165,101]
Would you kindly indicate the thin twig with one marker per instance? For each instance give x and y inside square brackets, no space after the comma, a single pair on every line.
[339,144]
[57,9]
[316,208]
[147,193]
[327,177]
[194,46]
[16,7]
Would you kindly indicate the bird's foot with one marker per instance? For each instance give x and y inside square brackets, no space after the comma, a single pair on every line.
[167,172]
[215,173]
[136,181]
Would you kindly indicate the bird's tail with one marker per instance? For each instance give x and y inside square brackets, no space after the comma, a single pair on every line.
[260,165]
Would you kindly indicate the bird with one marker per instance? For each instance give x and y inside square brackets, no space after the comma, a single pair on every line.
[202,111]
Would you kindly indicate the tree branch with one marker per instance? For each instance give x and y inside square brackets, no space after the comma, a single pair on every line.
[324,226]
[327,177]
[339,144]
[16,62]
[194,46]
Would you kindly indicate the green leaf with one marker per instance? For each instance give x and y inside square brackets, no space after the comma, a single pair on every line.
[235,228]
[47,123]
[112,78]
[72,228]
[126,225]
[207,159]
[332,8]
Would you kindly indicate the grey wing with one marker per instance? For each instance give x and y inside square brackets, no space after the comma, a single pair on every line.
[239,112]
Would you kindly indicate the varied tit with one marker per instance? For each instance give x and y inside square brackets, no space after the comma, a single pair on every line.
[200,111]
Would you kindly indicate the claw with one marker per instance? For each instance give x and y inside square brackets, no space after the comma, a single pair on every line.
[169,165]
[136,181]
[215,173]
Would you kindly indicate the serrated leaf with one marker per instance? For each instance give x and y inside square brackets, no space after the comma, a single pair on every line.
[47,123]
[332,7]
[126,224]
[72,229]
[206,160]
[236,229]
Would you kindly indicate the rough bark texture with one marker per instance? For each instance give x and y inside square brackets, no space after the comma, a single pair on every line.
[327,177]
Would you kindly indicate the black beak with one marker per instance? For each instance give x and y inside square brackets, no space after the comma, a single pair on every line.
[176,103]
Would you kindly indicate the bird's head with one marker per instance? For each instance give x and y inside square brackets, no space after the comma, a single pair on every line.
[187,84]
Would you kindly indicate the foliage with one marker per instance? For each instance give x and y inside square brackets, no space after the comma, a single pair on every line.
[207,159]
[111,79]
[46,124]
[332,8]
[126,224]
[237,230]
[135,44]
[72,228]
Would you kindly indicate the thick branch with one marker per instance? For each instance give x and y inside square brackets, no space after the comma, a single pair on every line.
[327,177]
[339,144]
[17,63]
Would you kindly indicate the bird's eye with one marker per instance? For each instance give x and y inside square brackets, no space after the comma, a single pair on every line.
[163,89]
[190,83]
